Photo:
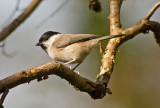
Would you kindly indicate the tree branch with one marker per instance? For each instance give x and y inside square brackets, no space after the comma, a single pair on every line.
[3,97]
[12,14]
[96,91]
[151,12]
[21,18]
[113,44]
[53,13]
[143,26]
[155,28]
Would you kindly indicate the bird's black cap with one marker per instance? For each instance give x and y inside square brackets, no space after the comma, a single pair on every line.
[46,36]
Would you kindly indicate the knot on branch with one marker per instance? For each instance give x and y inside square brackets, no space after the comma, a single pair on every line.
[24,74]
[145,26]
[100,91]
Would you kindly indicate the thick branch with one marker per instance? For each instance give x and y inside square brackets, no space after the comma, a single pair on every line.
[114,16]
[13,25]
[111,49]
[94,90]
[143,26]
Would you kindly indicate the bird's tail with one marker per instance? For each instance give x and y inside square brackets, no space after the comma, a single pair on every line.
[109,37]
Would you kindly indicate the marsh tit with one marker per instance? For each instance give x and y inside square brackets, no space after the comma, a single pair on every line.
[70,48]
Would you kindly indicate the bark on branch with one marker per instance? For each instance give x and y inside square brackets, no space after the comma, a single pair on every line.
[41,72]
[143,26]
[151,12]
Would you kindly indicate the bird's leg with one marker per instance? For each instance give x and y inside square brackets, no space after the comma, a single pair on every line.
[70,62]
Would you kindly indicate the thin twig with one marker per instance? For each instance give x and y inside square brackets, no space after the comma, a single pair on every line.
[21,18]
[3,97]
[101,49]
[5,53]
[7,21]
[53,13]
[151,12]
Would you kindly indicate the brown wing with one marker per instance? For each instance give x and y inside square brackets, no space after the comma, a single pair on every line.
[68,39]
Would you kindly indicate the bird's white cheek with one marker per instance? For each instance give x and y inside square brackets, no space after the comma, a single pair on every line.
[50,41]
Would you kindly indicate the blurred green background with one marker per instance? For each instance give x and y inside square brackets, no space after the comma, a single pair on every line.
[134,82]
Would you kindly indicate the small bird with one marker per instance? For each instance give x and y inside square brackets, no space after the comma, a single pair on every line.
[70,48]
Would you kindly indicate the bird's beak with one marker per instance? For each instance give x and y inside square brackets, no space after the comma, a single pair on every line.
[38,44]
